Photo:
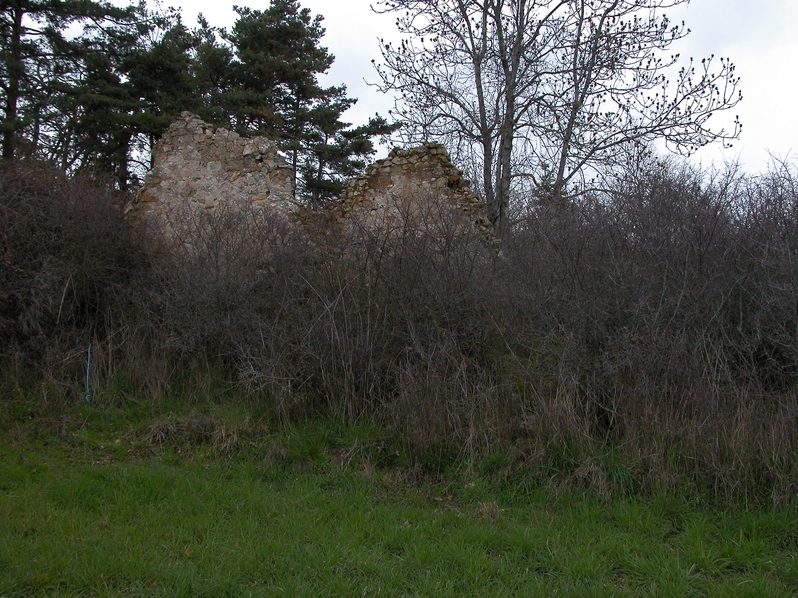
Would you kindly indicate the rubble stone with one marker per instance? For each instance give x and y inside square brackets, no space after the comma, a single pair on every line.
[197,168]
[419,179]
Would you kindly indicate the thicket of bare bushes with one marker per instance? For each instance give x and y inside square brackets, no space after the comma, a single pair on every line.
[67,261]
[647,335]
[662,318]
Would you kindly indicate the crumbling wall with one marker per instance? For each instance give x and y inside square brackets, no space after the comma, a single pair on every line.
[421,180]
[197,167]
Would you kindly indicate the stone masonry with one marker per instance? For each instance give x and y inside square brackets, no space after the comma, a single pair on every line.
[412,180]
[197,168]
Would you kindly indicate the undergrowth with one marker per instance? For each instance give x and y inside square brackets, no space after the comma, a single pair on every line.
[640,340]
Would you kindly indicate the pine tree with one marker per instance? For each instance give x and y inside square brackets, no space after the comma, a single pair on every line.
[161,75]
[337,153]
[272,89]
[100,99]
[129,83]
[38,61]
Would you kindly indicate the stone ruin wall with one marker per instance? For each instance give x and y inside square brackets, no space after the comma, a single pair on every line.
[197,168]
[419,181]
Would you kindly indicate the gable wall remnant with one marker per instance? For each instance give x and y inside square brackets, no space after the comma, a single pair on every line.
[421,179]
[197,167]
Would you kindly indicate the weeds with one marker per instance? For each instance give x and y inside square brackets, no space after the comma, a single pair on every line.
[91,509]
[637,340]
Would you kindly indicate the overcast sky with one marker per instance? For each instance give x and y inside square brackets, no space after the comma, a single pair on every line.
[757,35]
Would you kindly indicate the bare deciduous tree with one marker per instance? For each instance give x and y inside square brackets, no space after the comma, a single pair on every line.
[548,90]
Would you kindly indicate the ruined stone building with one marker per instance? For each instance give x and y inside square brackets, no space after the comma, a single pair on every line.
[409,184]
[197,169]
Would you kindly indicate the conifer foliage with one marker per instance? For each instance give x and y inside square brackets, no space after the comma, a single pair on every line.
[272,60]
[98,101]
[40,64]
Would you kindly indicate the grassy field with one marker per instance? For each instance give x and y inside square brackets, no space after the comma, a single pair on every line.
[112,503]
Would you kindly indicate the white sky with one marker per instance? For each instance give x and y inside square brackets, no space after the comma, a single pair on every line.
[757,35]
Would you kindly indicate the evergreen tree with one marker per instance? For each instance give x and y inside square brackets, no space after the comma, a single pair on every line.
[278,58]
[213,64]
[103,129]
[337,153]
[130,95]
[162,76]
[100,99]
[272,89]
[37,60]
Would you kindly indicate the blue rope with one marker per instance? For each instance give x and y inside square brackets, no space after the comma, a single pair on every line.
[88,371]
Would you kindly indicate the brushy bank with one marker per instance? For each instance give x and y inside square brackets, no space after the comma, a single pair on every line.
[643,338]
[210,500]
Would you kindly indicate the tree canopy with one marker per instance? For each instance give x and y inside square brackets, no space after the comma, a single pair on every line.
[549,91]
[40,64]
[273,59]
[100,99]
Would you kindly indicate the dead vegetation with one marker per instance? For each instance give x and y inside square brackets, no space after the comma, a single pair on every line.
[643,337]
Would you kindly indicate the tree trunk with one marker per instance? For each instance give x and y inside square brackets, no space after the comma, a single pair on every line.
[505,171]
[486,139]
[16,71]
[491,200]
[510,52]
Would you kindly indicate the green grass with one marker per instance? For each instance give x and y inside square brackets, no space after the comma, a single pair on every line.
[91,505]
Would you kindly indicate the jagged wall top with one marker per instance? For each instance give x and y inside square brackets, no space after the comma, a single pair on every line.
[198,167]
[412,175]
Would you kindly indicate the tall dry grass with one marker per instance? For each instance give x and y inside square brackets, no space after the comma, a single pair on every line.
[656,323]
